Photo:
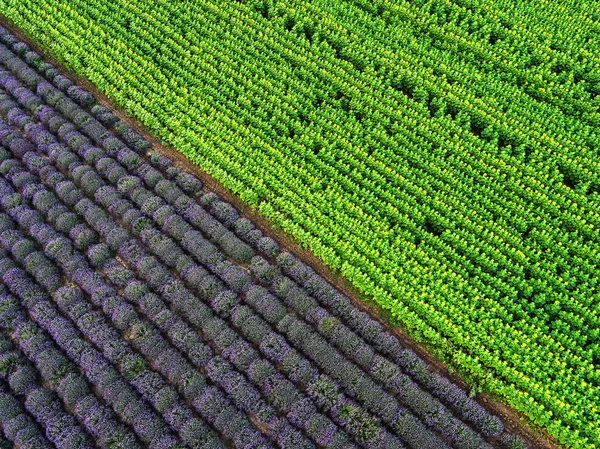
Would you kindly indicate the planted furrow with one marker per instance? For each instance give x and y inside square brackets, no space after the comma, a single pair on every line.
[167,361]
[18,426]
[99,420]
[353,330]
[60,426]
[111,201]
[140,309]
[288,432]
[135,369]
[115,390]
[72,303]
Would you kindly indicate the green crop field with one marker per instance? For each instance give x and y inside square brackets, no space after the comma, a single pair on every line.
[442,156]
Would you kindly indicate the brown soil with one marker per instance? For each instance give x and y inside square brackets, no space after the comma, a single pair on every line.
[515,422]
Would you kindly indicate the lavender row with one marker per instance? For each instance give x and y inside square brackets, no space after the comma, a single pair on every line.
[99,420]
[116,303]
[114,390]
[113,202]
[198,350]
[151,176]
[71,302]
[385,343]
[385,372]
[17,425]
[169,359]
[106,339]
[354,340]
[46,170]
[162,187]
[311,421]
[83,98]
[61,428]
[87,320]
[288,432]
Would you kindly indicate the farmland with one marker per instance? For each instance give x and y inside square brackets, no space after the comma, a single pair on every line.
[442,157]
[122,276]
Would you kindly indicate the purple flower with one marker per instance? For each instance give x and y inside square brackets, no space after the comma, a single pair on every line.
[268,246]
[97,418]
[204,251]
[224,212]
[274,347]
[160,161]
[12,425]
[301,412]
[104,115]
[72,388]
[235,248]
[188,183]
[240,353]
[210,402]
[286,261]
[175,226]
[266,304]
[135,290]
[298,369]
[208,198]
[9,407]
[321,429]
[317,314]
[224,302]
[299,301]
[124,316]
[168,190]
[300,272]
[259,370]
[81,96]
[23,379]
[263,270]
[242,227]
[62,82]
[149,174]
[242,392]
[289,437]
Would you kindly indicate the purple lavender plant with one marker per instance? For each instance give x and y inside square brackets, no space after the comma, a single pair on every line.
[268,246]
[274,347]
[263,270]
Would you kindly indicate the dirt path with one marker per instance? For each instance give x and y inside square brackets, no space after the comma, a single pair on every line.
[514,421]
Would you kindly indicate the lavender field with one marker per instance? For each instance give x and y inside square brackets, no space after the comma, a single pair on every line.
[138,309]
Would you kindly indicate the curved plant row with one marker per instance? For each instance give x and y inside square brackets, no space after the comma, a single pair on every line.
[134,295]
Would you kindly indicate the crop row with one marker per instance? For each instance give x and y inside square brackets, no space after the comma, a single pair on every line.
[112,201]
[147,224]
[105,229]
[229,216]
[465,193]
